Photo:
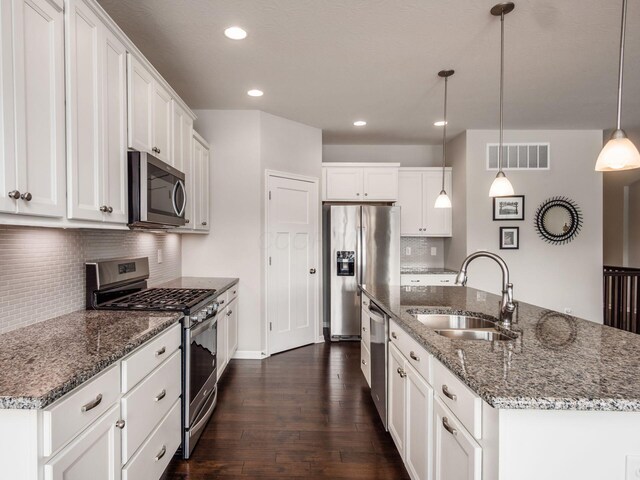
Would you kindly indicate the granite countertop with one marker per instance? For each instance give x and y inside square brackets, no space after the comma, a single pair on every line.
[557,362]
[42,362]
[219,284]
[426,271]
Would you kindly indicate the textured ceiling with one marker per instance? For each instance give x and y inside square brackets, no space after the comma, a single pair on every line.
[327,63]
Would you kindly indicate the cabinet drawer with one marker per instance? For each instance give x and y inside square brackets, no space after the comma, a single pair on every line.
[365,362]
[222,300]
[365,327]
[232,293]
[464,404]
[142,362]
[146,404]
[156,452]
[415,354]
[74,412]
[428,280]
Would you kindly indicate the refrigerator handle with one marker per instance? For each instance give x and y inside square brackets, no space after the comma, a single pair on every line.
[359,261]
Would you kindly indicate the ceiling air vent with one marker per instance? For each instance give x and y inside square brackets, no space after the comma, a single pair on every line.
[519,156]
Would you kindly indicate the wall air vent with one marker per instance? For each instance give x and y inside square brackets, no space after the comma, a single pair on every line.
[519,156]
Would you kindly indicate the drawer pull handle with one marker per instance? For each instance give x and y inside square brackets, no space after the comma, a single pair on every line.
[393,335]
[120,424]
[414,356]
[161,395]
[221,302]
[444,281]
[92,404]
[415,281]
[161,453]
[449,428]
[161,351]
[450,395]
[401,372]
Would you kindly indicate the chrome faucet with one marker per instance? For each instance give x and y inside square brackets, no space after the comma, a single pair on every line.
[507,306]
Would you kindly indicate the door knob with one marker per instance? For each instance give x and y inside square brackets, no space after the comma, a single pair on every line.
[312,271]
[15,194]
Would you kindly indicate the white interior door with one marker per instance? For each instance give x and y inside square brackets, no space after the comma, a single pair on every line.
[292,248]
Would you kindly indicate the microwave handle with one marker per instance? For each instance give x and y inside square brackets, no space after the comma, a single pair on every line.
[180,211]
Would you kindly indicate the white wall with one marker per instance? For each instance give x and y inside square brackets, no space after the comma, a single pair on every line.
[407,155]
[455,248]
[243,144]
[551,276]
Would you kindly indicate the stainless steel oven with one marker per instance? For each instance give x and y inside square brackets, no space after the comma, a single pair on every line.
[200,375]
[157,193]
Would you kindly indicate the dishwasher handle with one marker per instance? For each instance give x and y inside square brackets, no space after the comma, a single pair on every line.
[376,313]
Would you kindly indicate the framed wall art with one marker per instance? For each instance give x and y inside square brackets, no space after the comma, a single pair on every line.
[509,238]
[508,208]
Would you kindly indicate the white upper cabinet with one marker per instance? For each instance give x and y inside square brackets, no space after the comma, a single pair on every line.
[150,113]
[182,134]
[161,123]
[352,182]
[418,190]
[380,184]
[96,115]
[32,126]
[200,192]
[140,102]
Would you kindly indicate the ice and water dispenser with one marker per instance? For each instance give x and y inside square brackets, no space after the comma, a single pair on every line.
[346,263]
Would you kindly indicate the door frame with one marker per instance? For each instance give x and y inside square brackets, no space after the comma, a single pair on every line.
[265,231]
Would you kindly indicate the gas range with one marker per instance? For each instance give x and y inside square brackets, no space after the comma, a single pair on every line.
[122,285]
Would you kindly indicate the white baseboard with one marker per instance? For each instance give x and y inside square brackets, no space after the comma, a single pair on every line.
[320,339]
[248,355]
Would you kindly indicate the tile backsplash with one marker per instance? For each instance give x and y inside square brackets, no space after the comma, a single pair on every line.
[42,271]
[420,256]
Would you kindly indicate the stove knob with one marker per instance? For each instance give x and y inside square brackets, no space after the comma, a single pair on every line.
[193,318]
[210,309]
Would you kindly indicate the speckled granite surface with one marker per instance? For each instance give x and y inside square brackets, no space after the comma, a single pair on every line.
[426,271]
[557,362]
[219,284]
[42,362]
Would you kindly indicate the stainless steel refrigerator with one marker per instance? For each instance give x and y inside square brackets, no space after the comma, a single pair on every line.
[361,245]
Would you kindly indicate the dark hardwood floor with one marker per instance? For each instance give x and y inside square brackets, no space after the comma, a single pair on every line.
[303,414]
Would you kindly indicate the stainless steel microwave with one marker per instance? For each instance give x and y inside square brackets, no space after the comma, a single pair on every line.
[157,194]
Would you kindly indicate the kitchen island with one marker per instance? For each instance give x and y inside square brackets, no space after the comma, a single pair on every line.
[560,400]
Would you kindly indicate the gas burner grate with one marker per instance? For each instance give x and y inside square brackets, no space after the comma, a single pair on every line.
[161,299]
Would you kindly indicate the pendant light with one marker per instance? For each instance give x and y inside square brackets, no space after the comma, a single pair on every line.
[619,153]
[443,200]
[501,186]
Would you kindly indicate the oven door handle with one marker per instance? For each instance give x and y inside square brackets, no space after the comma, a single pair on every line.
[195,331]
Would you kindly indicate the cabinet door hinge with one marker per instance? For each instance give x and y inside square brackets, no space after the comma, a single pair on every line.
[269,261]
[269,194]
[270,326]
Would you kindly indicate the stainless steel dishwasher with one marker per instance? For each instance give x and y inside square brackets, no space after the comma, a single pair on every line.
[379,339]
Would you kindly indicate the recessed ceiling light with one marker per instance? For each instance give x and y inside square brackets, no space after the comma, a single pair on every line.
[440,123]
[255,93]
[235,33]
[359,123]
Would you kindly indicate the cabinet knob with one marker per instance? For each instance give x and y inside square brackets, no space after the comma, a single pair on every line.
[364,362]
[366,194]
[104,209]
[204,224]
[187,221]
[393,335]
[120,424]
[15,194]
[110,209]
[312,271]
[229,312]
[26,196]
[401,372]
[357,194]
[414,356]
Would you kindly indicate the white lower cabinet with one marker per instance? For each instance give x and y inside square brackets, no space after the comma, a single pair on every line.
[95,454]
[456,455]
[232,328]
[396,412]
[228,319]
[419,418]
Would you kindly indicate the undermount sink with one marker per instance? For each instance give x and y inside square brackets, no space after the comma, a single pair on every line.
[457,322]
[488,335]
[462,327]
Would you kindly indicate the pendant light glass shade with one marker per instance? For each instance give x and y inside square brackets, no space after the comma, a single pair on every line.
[619,153]
[501,186]
[443,200]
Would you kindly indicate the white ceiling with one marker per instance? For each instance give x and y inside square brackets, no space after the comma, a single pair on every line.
[327,63]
